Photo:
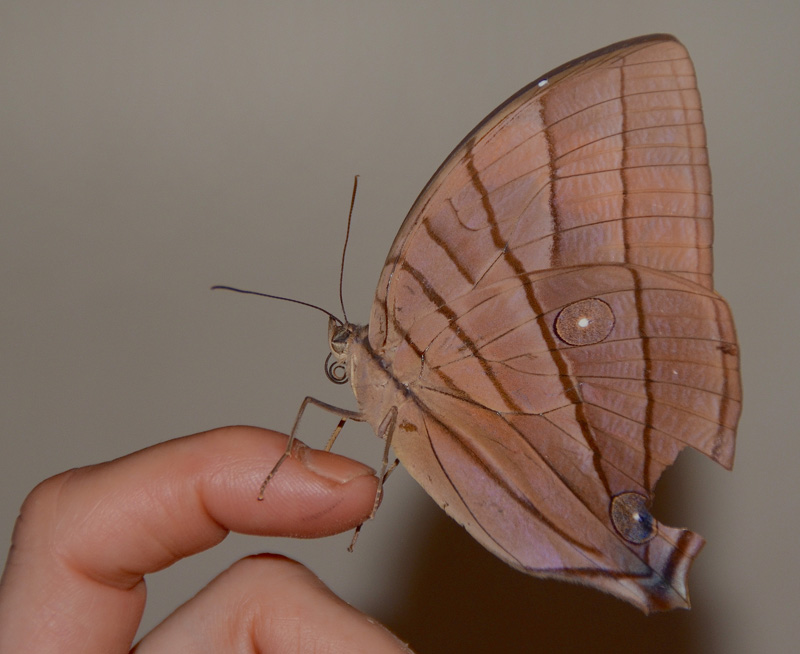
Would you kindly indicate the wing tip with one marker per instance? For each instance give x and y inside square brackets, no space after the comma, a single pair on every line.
[670,558]
[657,583]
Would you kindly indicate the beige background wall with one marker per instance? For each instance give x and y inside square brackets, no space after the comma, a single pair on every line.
[151,149]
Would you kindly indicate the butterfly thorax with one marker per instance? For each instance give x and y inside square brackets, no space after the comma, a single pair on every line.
[377,391]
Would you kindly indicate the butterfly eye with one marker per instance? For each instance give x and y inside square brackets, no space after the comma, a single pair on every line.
[632,519]
[339,343]
[585,322]
[338,334]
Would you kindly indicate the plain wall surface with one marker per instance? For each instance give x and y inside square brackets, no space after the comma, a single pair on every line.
[151,149]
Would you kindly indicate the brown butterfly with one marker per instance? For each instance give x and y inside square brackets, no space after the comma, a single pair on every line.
[545,337]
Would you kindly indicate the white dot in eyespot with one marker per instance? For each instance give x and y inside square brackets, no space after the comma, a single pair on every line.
[583,322]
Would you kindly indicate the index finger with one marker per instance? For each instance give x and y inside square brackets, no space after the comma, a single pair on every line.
[85,539]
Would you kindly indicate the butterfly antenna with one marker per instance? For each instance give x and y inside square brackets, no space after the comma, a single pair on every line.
[344,249]
[277,297]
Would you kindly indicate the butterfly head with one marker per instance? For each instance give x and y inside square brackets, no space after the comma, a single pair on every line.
[340,335]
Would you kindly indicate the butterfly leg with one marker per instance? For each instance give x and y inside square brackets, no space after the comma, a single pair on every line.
[335,435]
[385,431]
[343,414]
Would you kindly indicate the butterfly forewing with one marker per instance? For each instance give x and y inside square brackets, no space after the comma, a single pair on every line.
[602,160]
[546,330]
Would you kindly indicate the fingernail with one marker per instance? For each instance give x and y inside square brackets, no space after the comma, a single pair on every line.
[332,466]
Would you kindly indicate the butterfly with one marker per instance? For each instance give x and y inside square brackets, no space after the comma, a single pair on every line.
[545,337]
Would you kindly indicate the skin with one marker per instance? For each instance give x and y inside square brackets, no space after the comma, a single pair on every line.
[84,539]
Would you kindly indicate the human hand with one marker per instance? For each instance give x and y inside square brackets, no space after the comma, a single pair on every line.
[74,579]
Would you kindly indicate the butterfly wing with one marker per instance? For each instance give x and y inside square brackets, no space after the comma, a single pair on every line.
[548,307]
